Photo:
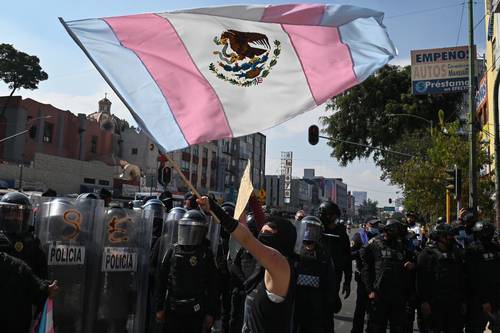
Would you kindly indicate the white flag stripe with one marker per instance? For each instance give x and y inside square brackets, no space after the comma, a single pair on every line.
[248,108]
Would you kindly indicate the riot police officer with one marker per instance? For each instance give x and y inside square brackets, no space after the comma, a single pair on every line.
[241,268]
[16,214]
[441,282]
[483,269]
[20,289]
[65,232]
[336,243]
[360,239]
[187,291]
[316,297]
[120,294]
[385,265]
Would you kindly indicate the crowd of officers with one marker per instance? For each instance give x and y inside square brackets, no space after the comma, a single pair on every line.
[203,278]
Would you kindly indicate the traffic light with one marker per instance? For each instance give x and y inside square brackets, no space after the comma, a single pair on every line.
[390,201]
[454,182]
[164,175]
[313,135]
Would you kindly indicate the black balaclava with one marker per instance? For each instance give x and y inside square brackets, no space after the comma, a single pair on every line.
[283,239]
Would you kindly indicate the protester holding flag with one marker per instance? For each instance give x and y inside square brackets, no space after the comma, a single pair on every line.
[269,304]
[20,289]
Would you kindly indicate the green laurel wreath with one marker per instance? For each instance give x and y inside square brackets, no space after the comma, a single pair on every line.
[254,81]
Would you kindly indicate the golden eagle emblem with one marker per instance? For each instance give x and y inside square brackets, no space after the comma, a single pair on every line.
[245,59]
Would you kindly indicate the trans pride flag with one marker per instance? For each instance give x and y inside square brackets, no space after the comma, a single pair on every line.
[44,323]
[192,76]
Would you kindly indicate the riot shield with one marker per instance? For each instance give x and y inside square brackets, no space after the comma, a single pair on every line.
[309,229]
[124,241]
[169,231]
[65,231]
[213,234]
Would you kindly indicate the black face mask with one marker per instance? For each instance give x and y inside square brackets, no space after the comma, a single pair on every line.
[283,239]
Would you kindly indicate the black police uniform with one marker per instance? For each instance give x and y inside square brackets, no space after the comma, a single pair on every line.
[359,240]
[337,245]
[483,284]
[20,289]
[316,298]
[188,277]
[383,272]
[441,283]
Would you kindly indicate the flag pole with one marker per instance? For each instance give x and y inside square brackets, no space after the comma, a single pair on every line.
[181,174]
[188,183]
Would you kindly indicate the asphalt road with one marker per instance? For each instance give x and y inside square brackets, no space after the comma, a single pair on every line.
[343,320]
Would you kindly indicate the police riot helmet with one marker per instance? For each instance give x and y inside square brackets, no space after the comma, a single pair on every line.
[229,207]
[326,210]
[309,231]
[192,228]
[484,231]
[16,213]
[469,217]
[442,230]
[395,229]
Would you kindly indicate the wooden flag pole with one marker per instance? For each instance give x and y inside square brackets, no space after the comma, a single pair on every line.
[188,183]
[181,174]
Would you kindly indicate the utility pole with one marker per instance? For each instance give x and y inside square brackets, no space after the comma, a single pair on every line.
[472,114]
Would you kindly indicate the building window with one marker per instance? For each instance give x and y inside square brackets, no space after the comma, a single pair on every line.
[134,151]
[47,132]
[184,165]
[33,132]
[103,182]
[195,168]
[196,150]
[205,153]
[93,144]
[89,180]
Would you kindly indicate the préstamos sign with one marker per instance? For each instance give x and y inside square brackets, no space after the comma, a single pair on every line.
[437,71]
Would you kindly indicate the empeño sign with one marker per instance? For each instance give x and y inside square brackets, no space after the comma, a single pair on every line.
[437,71]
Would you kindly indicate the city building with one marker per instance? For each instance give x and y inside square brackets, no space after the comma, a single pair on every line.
[233,156]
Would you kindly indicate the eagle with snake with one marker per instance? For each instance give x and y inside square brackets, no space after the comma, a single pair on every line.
[244,44]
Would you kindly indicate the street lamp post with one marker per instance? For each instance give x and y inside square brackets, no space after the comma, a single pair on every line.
[413,116]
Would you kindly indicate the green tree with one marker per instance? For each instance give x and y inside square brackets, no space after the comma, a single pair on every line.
[362,114]
[19,70]
[423,177]
[368,208]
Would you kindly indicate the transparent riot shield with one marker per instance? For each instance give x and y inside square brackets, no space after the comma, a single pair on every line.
[309,229]
[170,231]
[65,231]
[213,234]
[123,242]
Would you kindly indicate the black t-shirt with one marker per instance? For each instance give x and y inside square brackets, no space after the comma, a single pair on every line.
[263,315]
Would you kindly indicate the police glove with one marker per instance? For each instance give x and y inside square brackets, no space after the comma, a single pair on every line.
[346,290]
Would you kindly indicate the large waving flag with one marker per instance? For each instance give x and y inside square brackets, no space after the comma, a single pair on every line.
[197,75]
[44,323]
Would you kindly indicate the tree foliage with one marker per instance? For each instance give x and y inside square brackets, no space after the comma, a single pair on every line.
[19,70]
[423,177]
[362,114]
[368,208]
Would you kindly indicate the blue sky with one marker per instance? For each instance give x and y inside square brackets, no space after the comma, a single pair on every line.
[32,26]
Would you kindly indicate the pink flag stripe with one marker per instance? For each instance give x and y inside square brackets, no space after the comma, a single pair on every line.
[326,61]
[301,14]
[190,97]
[49,328]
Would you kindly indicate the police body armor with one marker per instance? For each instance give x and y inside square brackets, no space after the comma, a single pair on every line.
[65,230]
[16,221]
[187,279]
[389,266]
[448,271]
[124,241]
